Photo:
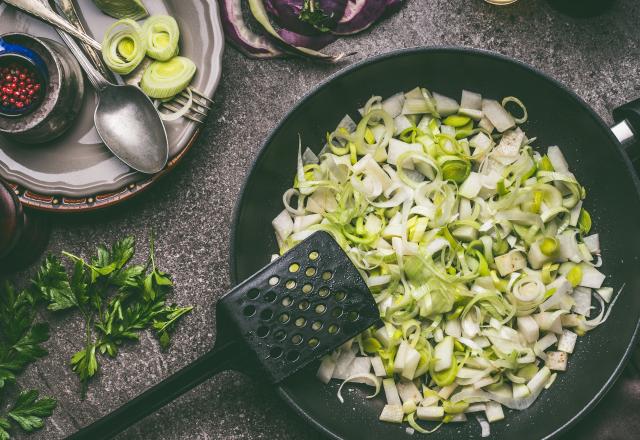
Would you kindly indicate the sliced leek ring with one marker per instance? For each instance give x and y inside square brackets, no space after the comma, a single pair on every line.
[123,47]
[164,79]
[161,34]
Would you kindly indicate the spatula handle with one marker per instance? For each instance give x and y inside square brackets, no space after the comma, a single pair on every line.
[221,358]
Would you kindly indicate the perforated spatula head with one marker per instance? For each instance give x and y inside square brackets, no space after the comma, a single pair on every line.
[300,307]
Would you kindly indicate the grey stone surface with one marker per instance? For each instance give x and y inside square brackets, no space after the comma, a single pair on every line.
[191,209]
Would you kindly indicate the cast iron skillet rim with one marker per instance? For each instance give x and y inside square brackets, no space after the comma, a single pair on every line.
[430,49]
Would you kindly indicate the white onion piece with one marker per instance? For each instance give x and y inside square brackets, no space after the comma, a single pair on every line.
[367,377]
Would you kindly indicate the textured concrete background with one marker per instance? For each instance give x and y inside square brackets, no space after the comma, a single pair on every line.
[191,209]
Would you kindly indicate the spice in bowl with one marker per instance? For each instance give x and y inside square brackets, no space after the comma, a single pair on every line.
[47,106]
[21,86]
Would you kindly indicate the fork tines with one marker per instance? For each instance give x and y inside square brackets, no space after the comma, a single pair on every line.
[200,105]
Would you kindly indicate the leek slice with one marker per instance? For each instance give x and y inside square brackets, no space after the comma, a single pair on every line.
[123,46]
[161,34]
[133,9]
[164,79]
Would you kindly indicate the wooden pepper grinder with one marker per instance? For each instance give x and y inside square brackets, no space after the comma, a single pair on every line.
[23,236]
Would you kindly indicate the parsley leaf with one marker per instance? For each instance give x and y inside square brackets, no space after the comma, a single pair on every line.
[20,344]
[5,425]
[29,411]
[84,362]
[52,283]
[20,338]
[165,322]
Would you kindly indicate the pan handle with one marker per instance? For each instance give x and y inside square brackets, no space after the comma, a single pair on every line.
[224,356]
[627,126]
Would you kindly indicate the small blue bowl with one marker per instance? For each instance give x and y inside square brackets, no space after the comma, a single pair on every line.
[15,53]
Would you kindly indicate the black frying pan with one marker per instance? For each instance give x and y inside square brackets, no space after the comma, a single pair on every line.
[556,117]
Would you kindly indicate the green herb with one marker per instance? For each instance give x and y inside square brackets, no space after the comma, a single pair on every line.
[316,17]
[20,345]
[29,411]
[118,300]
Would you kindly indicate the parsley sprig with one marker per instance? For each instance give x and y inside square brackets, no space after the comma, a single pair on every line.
[20,345]
[118,300]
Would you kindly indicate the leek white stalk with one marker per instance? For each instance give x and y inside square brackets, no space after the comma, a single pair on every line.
[161,34]
[164,79]
[123,46]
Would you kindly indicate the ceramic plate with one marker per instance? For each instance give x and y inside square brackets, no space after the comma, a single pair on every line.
[76,171]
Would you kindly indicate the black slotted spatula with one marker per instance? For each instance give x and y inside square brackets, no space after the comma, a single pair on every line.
[293,311]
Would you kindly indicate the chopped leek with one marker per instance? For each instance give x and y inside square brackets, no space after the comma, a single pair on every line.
[161,34]
[472,244]
[133,9]
[123,46]
[164,79]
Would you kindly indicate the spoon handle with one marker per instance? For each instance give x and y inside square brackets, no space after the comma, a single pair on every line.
[67,10]
[39,10]
[96,79]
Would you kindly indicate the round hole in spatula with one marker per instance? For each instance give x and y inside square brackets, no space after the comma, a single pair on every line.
[304,304]
[249,311]
[340,296]
[337,312]
[320,309]
[287,301]
[317,325]
[290,284]
[353,316]
[311,271]
[253,294]
[293,356]
[266,314]
[323,292]
[275,352]
[280,335]
[270,296]
[333,329]
[283,318]
[294,268]
[274,280]
[307,288]
[296,339]
[326,275]
[313,342]
[262,331]
[313,255]
[301,321]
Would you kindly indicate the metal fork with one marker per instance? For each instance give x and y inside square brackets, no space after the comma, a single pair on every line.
[201,104]
[199,107]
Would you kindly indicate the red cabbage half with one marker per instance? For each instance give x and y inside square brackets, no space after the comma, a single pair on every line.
[243,38]
[360,14]
[293,16]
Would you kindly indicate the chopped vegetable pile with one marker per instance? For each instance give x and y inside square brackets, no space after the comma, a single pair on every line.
[299,27]
[475,246]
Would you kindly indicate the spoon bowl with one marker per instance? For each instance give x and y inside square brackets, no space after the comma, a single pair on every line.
[128,123]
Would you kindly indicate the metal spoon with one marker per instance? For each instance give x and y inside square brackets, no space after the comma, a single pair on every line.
[125,117]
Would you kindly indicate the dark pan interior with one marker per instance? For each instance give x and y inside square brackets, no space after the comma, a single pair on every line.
[556,117]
